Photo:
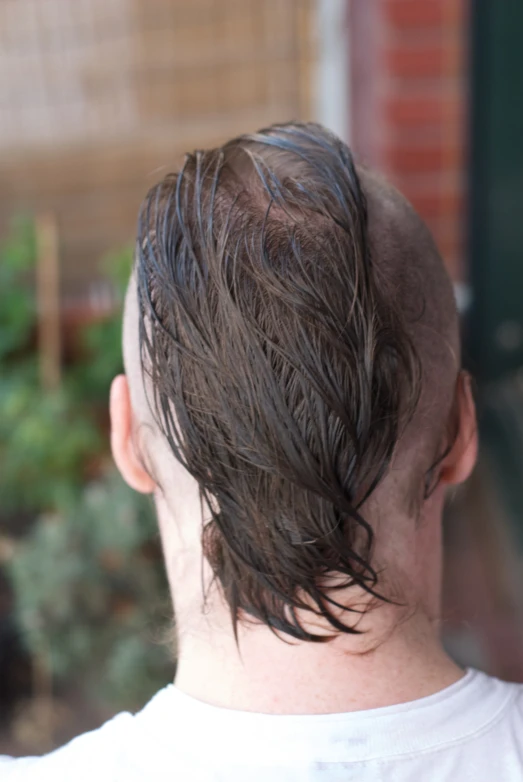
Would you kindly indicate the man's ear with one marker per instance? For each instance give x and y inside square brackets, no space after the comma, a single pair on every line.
[459,463]
[122,444]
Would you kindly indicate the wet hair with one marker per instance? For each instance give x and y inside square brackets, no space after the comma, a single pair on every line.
[283,371]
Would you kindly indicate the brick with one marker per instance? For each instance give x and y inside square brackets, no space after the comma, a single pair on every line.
[408,14]
[414,110]
[422,158]
[432,204]
[438,197]
[415,63]
[422,62]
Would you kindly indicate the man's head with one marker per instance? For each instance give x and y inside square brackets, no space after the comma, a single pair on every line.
[298,339]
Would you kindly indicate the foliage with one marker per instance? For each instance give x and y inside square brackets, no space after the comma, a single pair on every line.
[88,577]
[17,305]
[90,589]
[40,470]
[102,340]
[45,440]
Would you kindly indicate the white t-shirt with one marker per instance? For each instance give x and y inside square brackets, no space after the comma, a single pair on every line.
[470,731]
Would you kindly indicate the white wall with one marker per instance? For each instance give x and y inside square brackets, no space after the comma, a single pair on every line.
[332,76]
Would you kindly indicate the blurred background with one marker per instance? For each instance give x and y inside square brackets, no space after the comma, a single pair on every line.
[98,100]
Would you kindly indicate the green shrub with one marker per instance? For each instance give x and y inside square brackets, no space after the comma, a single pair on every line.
[90,593]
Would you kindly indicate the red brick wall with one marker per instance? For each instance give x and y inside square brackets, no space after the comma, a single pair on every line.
[408,112]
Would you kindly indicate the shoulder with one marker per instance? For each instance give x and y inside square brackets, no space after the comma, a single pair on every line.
[511,693]
[501,705]
[515,703]
[110,753]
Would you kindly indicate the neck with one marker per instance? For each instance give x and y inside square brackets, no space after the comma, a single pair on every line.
[398,658]
[265,674]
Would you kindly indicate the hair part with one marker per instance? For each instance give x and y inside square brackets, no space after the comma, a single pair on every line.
[282,375]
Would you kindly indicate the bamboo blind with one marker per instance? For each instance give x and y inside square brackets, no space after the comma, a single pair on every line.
[99,98]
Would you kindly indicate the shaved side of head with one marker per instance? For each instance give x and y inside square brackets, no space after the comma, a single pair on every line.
[411,273]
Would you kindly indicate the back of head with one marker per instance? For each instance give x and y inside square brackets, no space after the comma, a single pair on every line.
[300,336]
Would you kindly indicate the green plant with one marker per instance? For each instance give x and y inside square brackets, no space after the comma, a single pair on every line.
[38,469]
[101,341]
[17,306]
[91,593]
[88,575]
[45,442]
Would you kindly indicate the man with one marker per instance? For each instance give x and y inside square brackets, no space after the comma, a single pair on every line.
[294,401]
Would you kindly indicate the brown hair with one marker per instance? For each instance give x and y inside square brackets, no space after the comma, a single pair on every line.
[282,376]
